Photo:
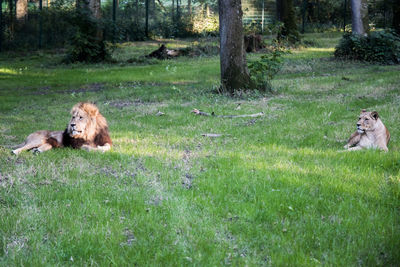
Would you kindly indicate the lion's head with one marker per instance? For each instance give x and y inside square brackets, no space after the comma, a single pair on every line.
[367,121]
[86,121]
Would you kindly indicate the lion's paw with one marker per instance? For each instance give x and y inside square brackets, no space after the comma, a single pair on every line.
[36,151]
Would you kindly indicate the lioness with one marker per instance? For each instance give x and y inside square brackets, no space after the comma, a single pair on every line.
[87,129]
[371,133]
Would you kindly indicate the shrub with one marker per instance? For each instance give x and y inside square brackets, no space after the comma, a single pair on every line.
[87,45]
[381,47]
[264,70]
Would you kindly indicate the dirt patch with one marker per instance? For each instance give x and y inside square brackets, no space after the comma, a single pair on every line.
[187,180]
[93,87]
[130,238]
[108,171]
[16,244]
[124,103]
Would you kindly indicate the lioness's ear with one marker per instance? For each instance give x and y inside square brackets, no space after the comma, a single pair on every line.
[374,115]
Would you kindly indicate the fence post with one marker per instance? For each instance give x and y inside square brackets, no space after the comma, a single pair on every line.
[146,29]
[40,23]
[1,23]
[344,15]
[114,16]
[303,11]
[384,13]
[262,18]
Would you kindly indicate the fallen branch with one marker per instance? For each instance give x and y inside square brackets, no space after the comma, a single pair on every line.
[164,53]
[201,113]
[162,6]
[211,135]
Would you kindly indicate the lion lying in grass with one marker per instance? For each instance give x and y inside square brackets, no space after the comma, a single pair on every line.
[87,129]
[371,133]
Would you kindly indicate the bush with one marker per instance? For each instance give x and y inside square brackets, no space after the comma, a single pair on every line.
[88,44]
[381,47]
[264,70]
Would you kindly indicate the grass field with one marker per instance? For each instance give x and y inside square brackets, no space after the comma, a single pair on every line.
[276,190]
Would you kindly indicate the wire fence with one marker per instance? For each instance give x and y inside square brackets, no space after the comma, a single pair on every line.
[52,25]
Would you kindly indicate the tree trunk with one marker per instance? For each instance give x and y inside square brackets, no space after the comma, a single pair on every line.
[1,24]
[91,8]
[146,29]
[177,11]
[137,13]
[364,15]
[287,16]
[11,10]
[278,10]
[234,72]
[21,10]
[173,11]
[396,15]
[189,7]
[95,8]
[359,14]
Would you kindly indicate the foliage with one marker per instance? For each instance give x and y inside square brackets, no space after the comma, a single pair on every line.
[58,23]
[262,71]
[381,47]
[56,28]
[205,25]
[88,44]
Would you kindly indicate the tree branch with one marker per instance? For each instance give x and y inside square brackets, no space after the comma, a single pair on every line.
[198,112]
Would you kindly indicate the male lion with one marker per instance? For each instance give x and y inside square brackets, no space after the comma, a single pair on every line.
[371,133]
[87,129]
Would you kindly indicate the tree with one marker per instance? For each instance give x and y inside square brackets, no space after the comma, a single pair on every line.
[189,6]
[21,9]
[287,15]
[234,72]
[359,17]
[396,15]
[92,10]
[11,12]
[88,44]
[146,28]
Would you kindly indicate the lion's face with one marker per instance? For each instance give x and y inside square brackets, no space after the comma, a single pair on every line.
[78,123]
[367,121]
[85,121]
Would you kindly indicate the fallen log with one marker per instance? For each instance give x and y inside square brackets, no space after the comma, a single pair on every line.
[252,42]
[164,53]
[201,113]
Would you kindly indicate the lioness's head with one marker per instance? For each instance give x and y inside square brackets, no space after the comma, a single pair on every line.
[86,121]
[367,121]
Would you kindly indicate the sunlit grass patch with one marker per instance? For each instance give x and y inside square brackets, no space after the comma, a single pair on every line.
[8,71]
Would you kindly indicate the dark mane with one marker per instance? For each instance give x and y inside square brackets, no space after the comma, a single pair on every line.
[102,137]
[68,141]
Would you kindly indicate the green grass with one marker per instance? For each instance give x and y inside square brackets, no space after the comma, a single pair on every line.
[272,191]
